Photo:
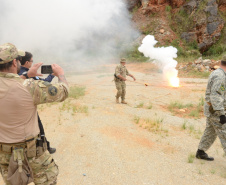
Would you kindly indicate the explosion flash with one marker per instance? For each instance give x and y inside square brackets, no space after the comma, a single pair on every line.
[163,57]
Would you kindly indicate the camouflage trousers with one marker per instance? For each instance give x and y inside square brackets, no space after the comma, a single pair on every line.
[213,129]
[121,87]
[44,169]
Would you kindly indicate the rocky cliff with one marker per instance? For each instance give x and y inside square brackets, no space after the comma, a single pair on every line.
[193,21]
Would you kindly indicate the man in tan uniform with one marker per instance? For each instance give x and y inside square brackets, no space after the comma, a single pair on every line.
[120,78]
[24,157]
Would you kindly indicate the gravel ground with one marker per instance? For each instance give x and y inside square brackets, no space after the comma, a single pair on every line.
[105,147]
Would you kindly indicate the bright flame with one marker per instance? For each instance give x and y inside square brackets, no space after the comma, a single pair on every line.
[174,81]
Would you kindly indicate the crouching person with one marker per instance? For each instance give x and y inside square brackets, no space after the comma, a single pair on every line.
[24,158]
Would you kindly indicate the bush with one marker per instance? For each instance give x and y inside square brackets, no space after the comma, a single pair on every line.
[168,8]
[134,54]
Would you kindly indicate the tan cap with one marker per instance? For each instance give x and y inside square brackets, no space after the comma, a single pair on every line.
[8,52]
[123,60]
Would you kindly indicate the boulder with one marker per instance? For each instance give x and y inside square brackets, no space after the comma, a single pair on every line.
[161,31]
[199,61]
[207,62]
[189,36]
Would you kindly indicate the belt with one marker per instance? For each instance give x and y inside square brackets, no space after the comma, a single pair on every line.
[8,147]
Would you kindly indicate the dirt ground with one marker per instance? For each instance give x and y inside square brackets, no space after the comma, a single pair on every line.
[107,144]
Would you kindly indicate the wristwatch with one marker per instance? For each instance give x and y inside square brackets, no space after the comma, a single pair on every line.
[25,74]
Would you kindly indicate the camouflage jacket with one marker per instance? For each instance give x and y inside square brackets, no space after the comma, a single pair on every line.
[215,93]
[121,70]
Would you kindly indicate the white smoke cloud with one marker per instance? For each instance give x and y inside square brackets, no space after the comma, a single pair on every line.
[78,31]
[162,56]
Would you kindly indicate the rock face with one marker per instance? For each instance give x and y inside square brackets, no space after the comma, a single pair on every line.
[197,21]
[133,3]
[207,25]
[176,3]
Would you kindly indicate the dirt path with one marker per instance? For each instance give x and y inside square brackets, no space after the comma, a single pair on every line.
[105,146]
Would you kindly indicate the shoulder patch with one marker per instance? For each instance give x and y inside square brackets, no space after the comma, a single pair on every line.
[47,83]
[222,88]
[52,90]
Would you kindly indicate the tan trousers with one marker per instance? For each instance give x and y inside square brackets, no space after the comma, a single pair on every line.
[121,87]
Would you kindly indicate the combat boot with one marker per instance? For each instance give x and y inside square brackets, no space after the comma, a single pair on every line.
[200,154]
[123,102]
[117,100]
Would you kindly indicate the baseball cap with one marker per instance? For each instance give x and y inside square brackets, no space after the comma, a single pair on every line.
[8,52]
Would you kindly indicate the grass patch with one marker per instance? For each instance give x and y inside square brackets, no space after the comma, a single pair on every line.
[187,110]
[140,105]
[79,109]
[76,92]
[178,105]
[152,125]
[73,107]
[191,158]
[191,73]
[136,119]
[190,128]
[150,106]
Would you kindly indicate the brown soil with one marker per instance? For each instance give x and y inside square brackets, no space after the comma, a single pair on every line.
[106,147]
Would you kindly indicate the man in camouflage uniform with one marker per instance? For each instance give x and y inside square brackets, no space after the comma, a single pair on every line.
[214,110]
[19,122]
[120,78]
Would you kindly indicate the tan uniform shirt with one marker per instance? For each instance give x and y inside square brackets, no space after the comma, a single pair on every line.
[18,105]
[121,70]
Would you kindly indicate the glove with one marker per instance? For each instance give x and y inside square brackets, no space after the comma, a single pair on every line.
[222,119]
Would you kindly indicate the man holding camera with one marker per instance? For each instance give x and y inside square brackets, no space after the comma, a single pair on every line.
[26,63]
[23,157]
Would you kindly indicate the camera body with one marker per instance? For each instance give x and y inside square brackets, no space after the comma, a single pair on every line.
[46,69]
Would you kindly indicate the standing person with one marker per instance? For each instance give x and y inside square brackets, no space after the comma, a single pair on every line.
[23,157]
[26,63]
[214,110]
[120,78]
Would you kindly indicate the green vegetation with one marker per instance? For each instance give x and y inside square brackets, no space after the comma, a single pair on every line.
[140,105]
[168,8]
[136,119]
[76,92]
[152,125]
[190,128]
[178,105]
[79,109]
[191,73]
[134,54]
[150,106]
[191,158]
[189,109]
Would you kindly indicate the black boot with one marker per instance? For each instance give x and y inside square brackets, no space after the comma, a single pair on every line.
[200,154]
